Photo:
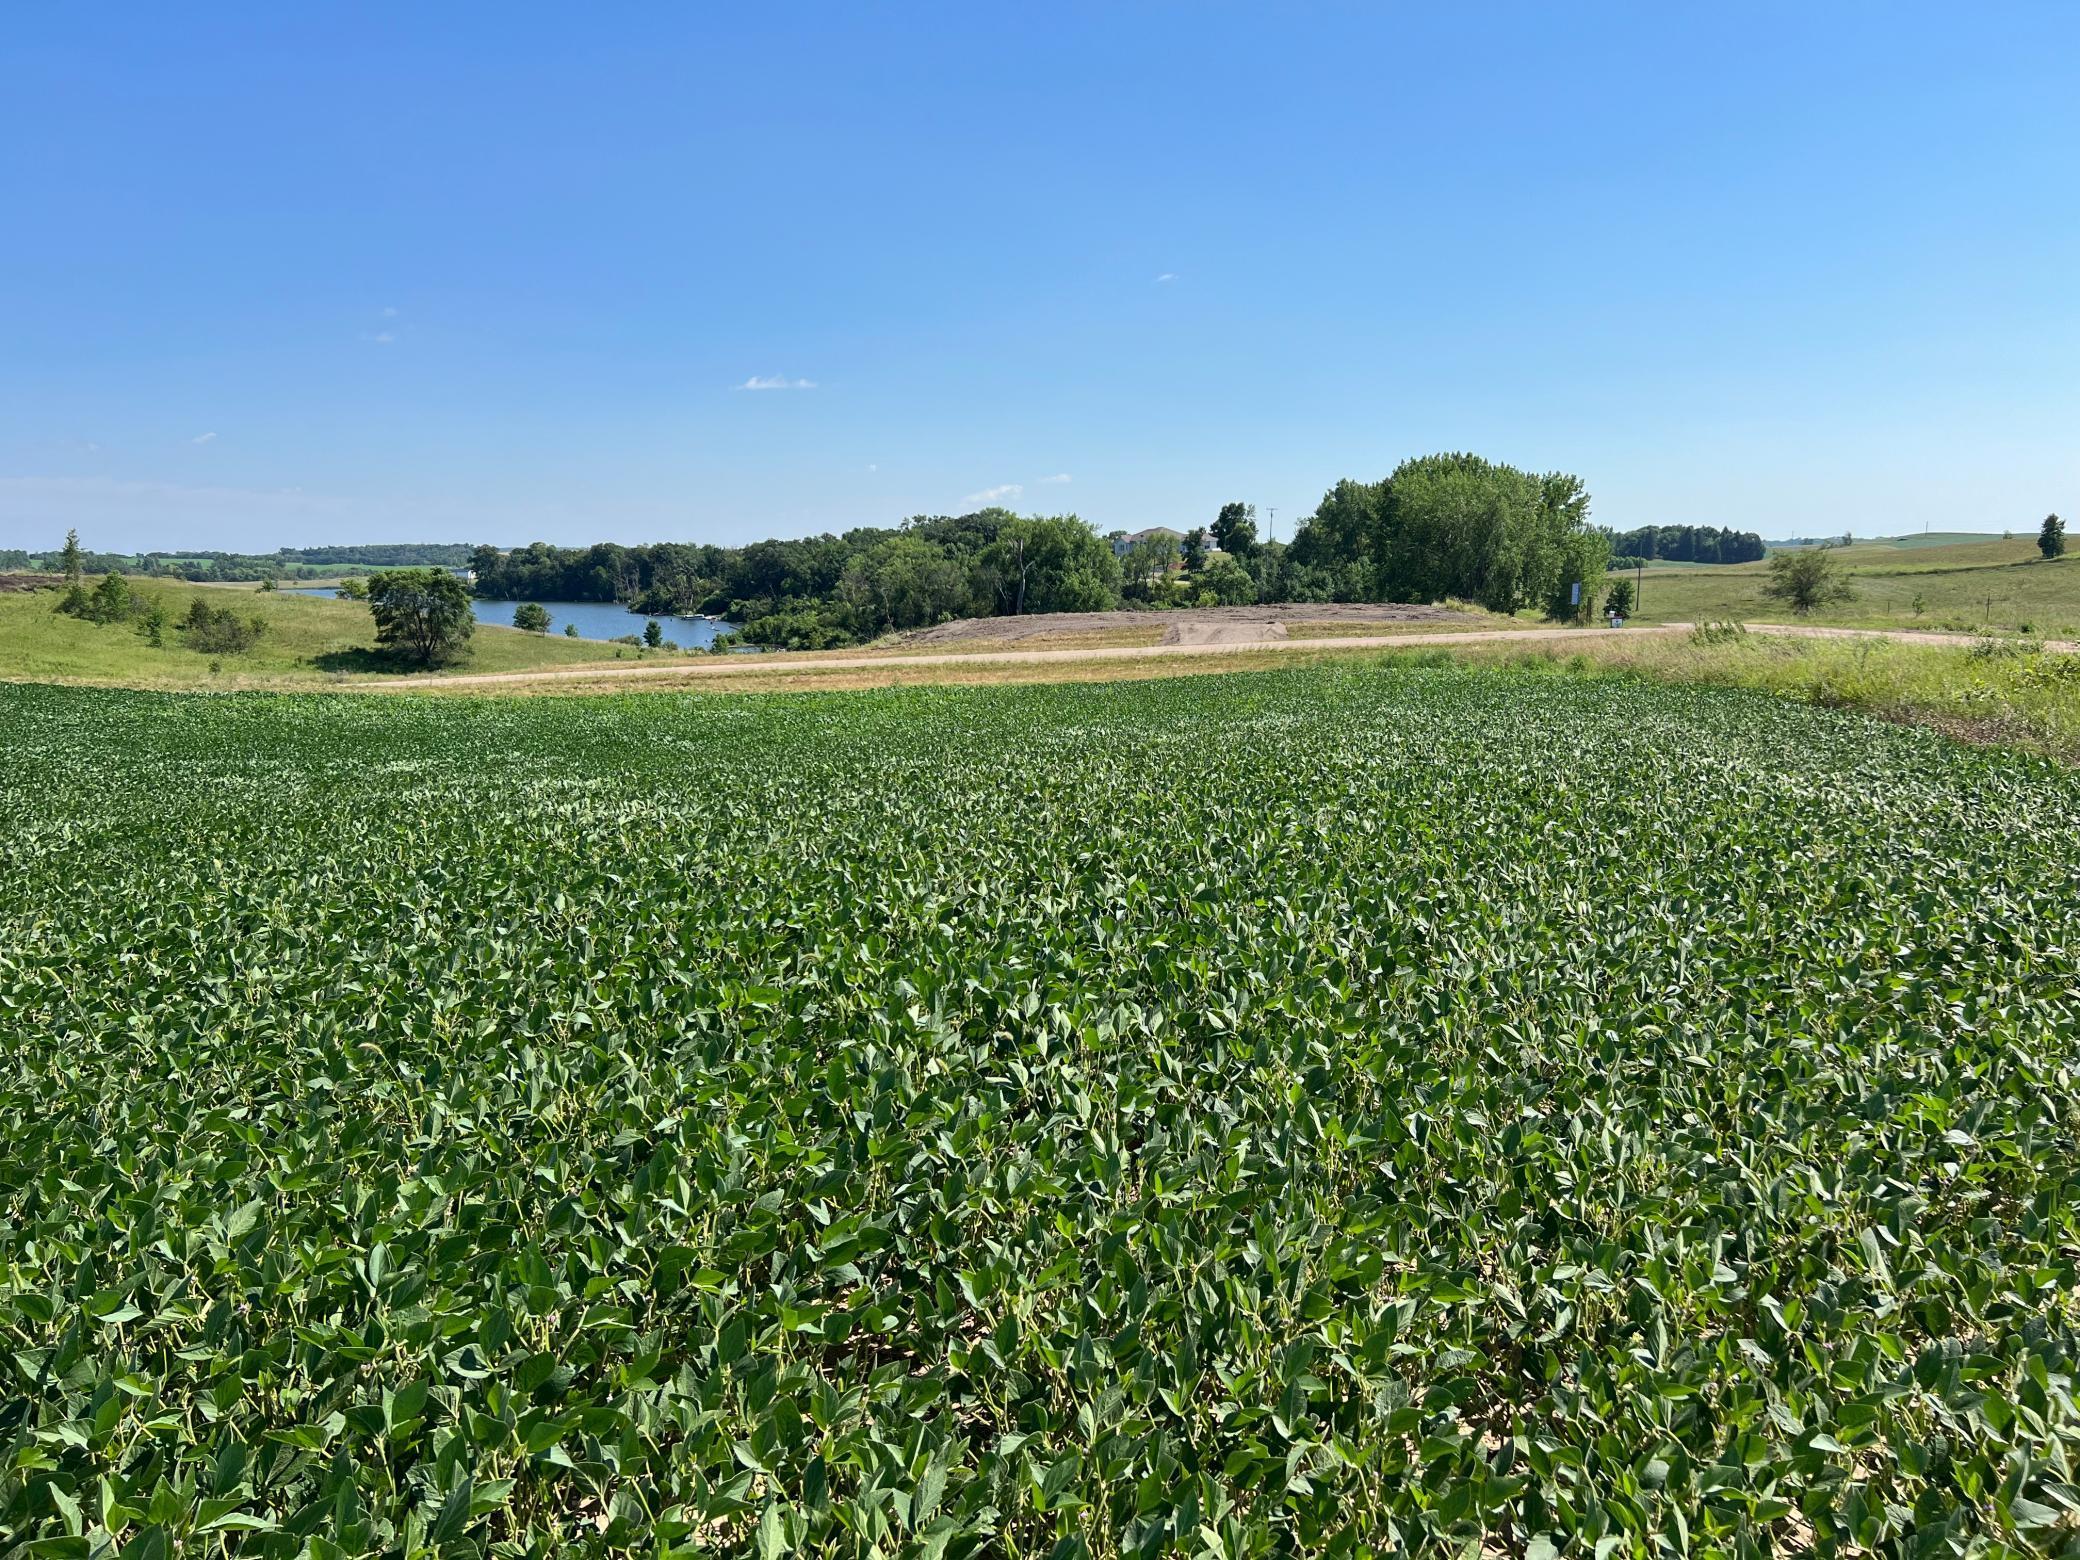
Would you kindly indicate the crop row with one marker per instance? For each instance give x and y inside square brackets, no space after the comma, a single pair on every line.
[1336,1110]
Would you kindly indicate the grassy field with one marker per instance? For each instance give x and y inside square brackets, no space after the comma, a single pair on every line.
[310,642]
[1998,691]
[1398,1109]
[1979,585]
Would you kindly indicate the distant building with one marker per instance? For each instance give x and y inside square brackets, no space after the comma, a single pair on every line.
[1126,539]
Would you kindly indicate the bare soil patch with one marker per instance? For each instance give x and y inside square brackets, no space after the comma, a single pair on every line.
[1182,621]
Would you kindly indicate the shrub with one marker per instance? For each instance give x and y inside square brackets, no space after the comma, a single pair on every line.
[1806,579]
[219,630]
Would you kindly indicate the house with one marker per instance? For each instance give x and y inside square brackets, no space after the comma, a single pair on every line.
[1122,540]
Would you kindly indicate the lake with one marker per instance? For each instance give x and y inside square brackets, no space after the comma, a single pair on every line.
[595,619]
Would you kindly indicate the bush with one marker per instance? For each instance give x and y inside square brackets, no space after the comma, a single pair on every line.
[1718,633]
[1805,578]
[111,601]
[531,617]
[219,630]
[1228,582]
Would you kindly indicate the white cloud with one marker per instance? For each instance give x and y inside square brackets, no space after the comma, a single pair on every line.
[390,313]
[382,338]
[202,438]
[1167,276]
[1056,480]
[776,382]
[872,467]
[995,495]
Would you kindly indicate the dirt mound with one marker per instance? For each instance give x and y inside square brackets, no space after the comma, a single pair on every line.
[1203,625]
[1256,631]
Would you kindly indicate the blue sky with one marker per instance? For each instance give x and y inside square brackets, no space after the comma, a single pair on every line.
[289,275]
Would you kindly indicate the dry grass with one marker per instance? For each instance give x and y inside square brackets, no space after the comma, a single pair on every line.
[866,673]
[2000,691]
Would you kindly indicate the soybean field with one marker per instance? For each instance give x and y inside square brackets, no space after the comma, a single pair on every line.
[1346,1110]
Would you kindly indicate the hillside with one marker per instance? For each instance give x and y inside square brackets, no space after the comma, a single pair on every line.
[309,642]
[1971,585]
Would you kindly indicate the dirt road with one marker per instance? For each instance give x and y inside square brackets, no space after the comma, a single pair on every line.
[1011,631]
[741,665]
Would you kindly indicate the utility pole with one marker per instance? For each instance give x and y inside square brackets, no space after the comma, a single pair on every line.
[1271,525]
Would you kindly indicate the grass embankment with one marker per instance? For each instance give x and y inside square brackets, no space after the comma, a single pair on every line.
[309,642]
[2004,691]
[1974,586]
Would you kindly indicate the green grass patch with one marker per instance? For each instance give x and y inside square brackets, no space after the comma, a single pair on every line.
[308,642]
[1981,586]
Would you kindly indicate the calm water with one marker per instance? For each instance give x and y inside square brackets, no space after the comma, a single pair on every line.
[595,619]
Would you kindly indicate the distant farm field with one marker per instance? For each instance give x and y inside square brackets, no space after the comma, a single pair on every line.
[1959,584]
[1384,1110]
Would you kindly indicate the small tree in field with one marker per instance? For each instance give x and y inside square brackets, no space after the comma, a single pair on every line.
[570,631]
[532,617]
[423,613]
[2051,539]
[1619,599]
[1805,578]
[71,560]
[653,633]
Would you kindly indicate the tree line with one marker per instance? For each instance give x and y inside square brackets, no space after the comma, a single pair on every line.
[1443,525]
[286,563]
[1688,544]
[818,591]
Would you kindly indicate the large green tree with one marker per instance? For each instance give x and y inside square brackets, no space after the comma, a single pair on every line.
[1453,525]
[422,614]
[2051,537]
[903,581]
[1235,530]
[1050,564]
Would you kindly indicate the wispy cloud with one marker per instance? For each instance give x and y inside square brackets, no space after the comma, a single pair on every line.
[390,313]
[1056,480]
[776,382]
[872,467]
[382,338]
[202,438]
[995,495]
[1167,276]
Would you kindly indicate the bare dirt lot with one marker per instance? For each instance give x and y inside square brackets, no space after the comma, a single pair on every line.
[1185,625]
